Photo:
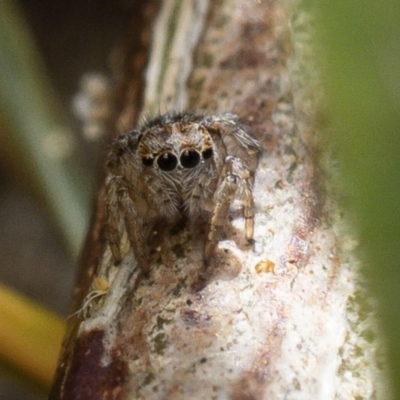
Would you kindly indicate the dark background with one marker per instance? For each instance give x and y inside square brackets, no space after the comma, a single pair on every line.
[73,38]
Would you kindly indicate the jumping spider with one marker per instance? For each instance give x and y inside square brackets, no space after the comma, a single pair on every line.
[175,165]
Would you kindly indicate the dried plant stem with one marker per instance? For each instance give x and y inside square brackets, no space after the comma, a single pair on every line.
[277,321]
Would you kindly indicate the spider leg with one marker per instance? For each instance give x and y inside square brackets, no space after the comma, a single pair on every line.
[224,196]
[201,195]
[113,218]
[134,227]
[237,183]
[234,135]
[248,208]
[244,193]
[119,204]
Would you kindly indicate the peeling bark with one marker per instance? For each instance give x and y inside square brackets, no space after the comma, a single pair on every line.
[280,320]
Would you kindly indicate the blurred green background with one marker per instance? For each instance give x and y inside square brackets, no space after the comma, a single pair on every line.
[361,56]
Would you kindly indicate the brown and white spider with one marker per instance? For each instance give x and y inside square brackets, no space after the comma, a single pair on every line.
[179,165]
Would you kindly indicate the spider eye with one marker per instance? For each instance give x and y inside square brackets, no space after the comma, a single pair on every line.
[148,161]
[167,161]
[207,153]
[189,158]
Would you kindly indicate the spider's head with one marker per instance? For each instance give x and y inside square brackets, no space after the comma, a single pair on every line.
[176,145]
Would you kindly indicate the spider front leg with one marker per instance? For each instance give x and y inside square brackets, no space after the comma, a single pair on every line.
[224,196]
[121,206]
[246,196]
[201,196]
[134,226]
[113,218]
[237,183]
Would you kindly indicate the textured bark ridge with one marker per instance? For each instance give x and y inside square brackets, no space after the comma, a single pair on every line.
[282,319]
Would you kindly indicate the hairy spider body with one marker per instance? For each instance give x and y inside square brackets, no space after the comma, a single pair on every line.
[175,165]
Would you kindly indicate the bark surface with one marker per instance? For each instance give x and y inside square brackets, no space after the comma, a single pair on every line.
[280,320]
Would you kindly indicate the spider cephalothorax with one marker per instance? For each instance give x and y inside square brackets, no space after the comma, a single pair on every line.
[181,164]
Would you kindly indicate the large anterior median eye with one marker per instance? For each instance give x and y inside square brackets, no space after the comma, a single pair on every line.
[189,158]
[167,161]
